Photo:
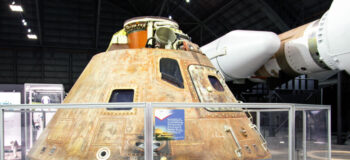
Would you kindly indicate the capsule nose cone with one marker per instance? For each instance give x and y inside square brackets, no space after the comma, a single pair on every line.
[244,52]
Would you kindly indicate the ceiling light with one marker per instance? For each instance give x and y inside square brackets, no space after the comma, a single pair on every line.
[16,8]
[29,30]
[187,1]
[24,22]
[32,36]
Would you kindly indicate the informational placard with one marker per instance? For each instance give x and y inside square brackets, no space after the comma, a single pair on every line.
[169,124]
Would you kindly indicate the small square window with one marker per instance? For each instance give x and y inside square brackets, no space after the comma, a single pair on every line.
[171,72]
[124,95]
[216,83]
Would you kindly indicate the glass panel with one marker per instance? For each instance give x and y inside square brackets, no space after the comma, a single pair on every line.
[299,135]
[12,124]
[215,83]
[220,134]
[171,72]
[95,132]
[12,135]
[43,93]
[45,97]
[196,133]
[253,116]
[48,116]
[23,127]
[317,134]
[274,127]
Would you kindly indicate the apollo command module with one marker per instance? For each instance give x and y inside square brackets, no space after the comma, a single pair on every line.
[149,60]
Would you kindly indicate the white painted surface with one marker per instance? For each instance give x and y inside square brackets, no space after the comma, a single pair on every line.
[12,121]
[333,36]
[298,56]
[238,54]
[272,67]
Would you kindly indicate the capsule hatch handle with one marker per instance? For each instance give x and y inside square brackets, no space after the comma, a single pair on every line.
[238,151]
[263,143]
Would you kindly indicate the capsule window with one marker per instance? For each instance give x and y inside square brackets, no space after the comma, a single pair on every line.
[170,70]
[124,95]
[216,83]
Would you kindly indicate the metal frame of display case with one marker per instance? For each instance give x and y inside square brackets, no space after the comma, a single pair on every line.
[148,118]
[43,87]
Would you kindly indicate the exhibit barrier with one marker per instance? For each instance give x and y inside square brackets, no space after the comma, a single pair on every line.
[292,131]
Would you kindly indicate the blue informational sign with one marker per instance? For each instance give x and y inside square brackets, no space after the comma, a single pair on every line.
[170,124]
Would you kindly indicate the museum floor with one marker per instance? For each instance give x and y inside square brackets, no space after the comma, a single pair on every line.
[341,152]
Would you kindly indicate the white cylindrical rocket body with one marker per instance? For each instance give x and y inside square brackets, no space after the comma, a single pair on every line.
[333,36]
[238,54]
[318,46]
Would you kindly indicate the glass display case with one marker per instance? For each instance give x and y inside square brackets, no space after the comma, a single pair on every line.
[12,121]
[290,131]
[36,93]
[23,126]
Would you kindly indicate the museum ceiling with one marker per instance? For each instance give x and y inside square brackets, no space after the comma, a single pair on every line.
[89,24]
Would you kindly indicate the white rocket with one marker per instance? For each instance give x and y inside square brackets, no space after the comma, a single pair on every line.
[315,47]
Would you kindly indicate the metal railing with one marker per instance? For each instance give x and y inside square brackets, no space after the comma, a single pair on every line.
[148,118]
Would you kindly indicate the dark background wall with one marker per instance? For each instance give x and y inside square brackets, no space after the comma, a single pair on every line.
[42,65]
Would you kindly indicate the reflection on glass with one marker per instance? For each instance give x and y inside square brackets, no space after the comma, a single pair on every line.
[274,127]
[171,72]
[216,83]
[121,95]
[124,95]
[316,134]
[217,130]
[299,135]
[12,138]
